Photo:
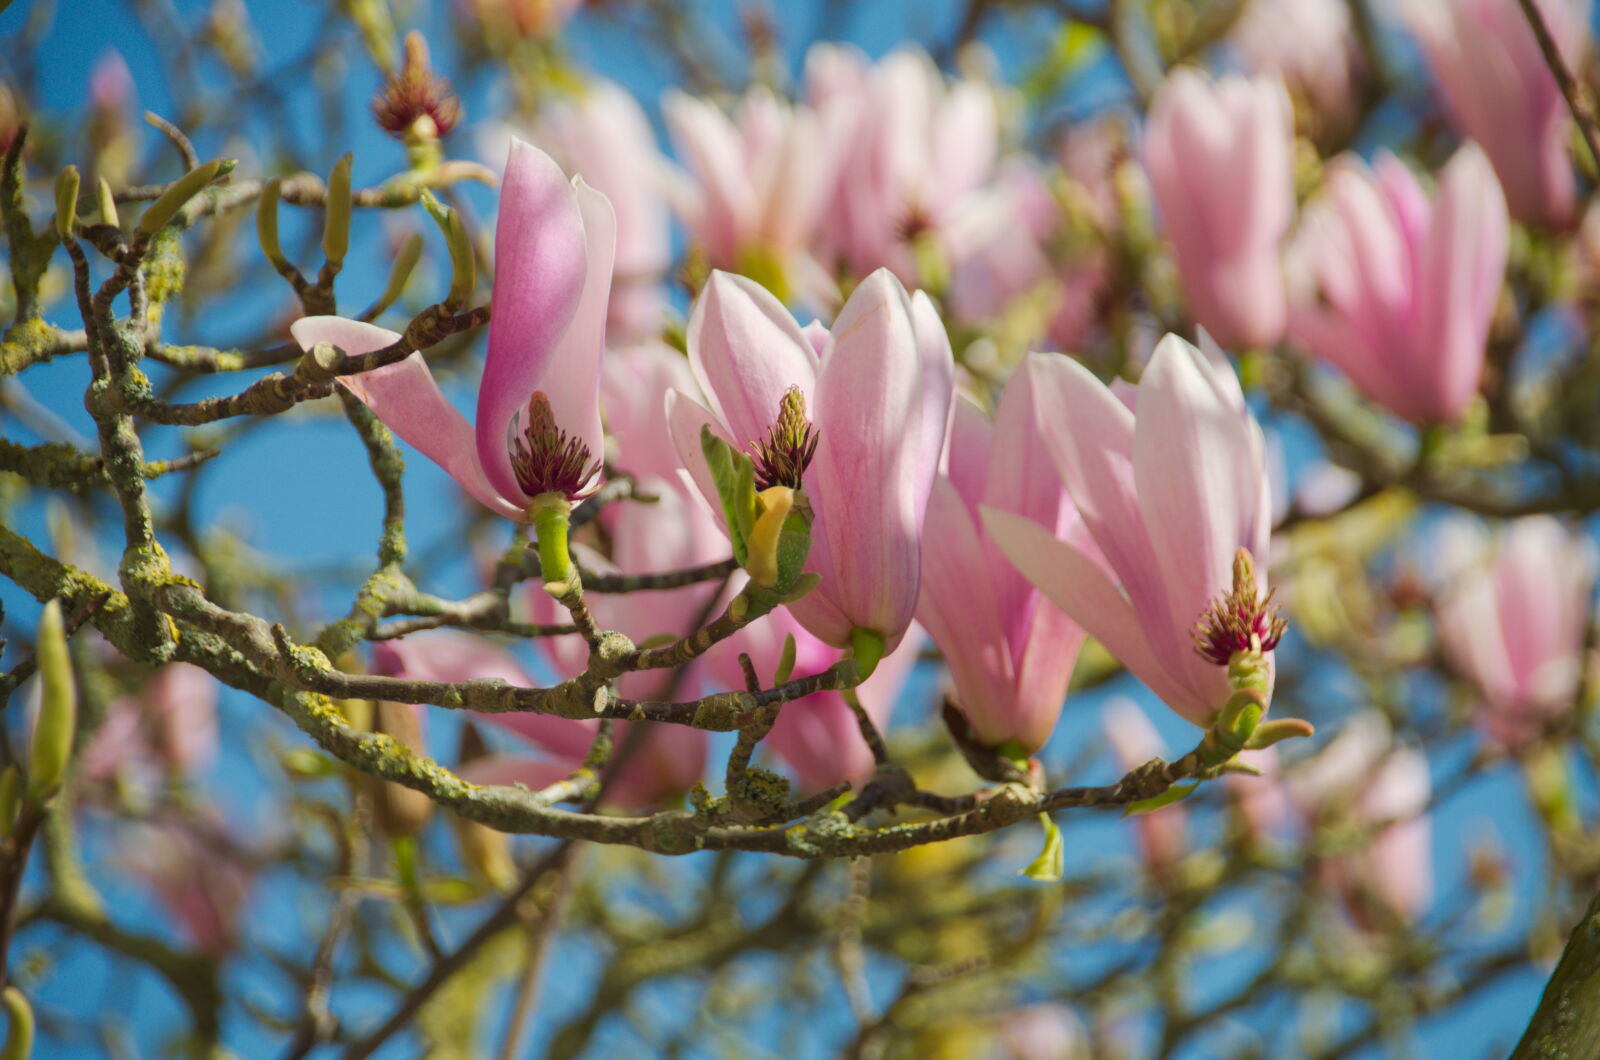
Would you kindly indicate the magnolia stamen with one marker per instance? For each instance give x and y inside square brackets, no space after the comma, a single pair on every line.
[416,94]
[1241,620]
[545,458]
[791,443]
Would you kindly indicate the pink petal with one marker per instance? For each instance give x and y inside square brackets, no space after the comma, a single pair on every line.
[746,352]
[541,266]
[408,401]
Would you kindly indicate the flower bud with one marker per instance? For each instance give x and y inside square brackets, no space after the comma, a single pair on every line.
[177,196]
[336,226]
[404,261]
[66,203]
[19,1025]
[267,224]
[56,724]
[108,204]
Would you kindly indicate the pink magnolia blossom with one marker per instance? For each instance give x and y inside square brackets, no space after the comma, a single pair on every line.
[200,879]
[1404,288]
[1516,627]
[920,153]
[1362,776]
[667,762]
[554,243]
[817,736]
[758,185]
[1220,158]
[1162,833]
[1168,496]
[877,390]
[1010,651]
[169,726]
[1046,1031]
[1500,92]
[602,135]
[526,18]
[1310,44]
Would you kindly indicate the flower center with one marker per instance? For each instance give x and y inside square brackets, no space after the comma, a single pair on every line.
[1240,620]
[789,447]
[414,94]
[545,458]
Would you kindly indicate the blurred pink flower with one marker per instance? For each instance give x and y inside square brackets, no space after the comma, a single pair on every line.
[919,153]
[1360,776]
[1010,650]
[1220,157]
[1500,92]
[601,134]
[199,877]
[1516,627]
[1134,741]
[1168,496]
[1398,291]
[1310,44]
[554,243]
[757,186]
[817,736]
[169,726]
[877,391]
[1047,1031]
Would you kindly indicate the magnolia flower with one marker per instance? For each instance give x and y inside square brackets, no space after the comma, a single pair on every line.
[1310,44]
[170,726]
[1500,92]
[1010,650]
[758,186]
[1220,158]
[199,877]
[1134,741]
[1404,288]
[600,133]
[538,422]
[818,735]
[667,762]
[1362,777]
[877,393]
[524,18]
[1516,627]
[1169,496]
[920,152]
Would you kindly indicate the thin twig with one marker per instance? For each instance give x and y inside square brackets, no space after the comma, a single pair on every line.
[1576,101]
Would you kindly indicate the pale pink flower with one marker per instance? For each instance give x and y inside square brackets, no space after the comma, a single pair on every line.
[758,185]
[877,390]
[527,18]
[202,882]
[554,243]
[1500,92]
[169,726]
[818,736]
[1010,650]
[920,153]
[1516,626]
[1220,158]
[670,759]
[1362,777]
[1403,288]
[1047,1031]
[1310,44]
[1168,497]
[1134,741]
[601,134]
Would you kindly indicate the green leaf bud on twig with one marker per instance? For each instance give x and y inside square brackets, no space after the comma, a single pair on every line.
[66,203]
[108,204]
[58,708]
[164,209]
[19,1025]
[336,226]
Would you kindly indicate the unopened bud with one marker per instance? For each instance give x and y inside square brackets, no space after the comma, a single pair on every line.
[267,224]
[406,260]
[108,204]
[177,196]
[66,203]
[19,1025]
[54,728]
[336,226]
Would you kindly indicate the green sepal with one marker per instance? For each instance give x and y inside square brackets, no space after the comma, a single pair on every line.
[1047,867]
[1176,793]
[66,203]
[734,475]
[866,647]
[794,543]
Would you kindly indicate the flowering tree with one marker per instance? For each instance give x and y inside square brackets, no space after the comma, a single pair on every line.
[809,585]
